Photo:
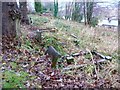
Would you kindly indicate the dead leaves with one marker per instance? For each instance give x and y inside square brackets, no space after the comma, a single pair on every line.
[31,59]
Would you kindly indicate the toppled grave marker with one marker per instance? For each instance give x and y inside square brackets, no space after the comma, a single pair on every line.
[54,54]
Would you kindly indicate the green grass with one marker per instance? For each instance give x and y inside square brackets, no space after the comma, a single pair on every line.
[100,39]
[13,64]
[14,80]
[58,24]
[37,20]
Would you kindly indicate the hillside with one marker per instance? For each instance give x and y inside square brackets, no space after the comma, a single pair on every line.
[98,38]
[31,68]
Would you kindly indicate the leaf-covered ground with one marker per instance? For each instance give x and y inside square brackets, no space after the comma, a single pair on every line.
[27,66]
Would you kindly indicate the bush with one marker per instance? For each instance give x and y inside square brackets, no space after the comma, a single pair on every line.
[94,21]
[77,17]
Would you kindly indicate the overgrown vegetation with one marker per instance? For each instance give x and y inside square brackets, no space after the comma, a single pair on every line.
[56,53]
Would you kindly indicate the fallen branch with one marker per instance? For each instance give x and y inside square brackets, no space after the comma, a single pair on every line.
[101,56]
[98,54]
[76,54]
[73,36]
[71,67]
[101,60]
[45,30]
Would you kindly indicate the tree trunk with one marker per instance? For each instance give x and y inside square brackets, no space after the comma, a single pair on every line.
[118,35]
[55,8]
[8,23]
[0,22]
[119,16]
[10,16]
[68,11]
[89,12]
[24,11]
[77,15]
[85,21]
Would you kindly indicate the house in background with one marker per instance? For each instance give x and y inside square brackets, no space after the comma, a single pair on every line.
[113,23]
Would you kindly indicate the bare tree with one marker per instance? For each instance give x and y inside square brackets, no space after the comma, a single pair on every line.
[24,11]
[77,12]
[118,33]
[67,11]
[85,20]
[88,10]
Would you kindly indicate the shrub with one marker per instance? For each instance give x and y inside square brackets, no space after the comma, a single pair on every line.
[94,21]
[77,17]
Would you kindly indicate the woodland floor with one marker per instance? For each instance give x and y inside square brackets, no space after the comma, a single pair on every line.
[28,67]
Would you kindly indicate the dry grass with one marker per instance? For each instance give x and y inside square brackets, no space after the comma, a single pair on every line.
[102,39]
